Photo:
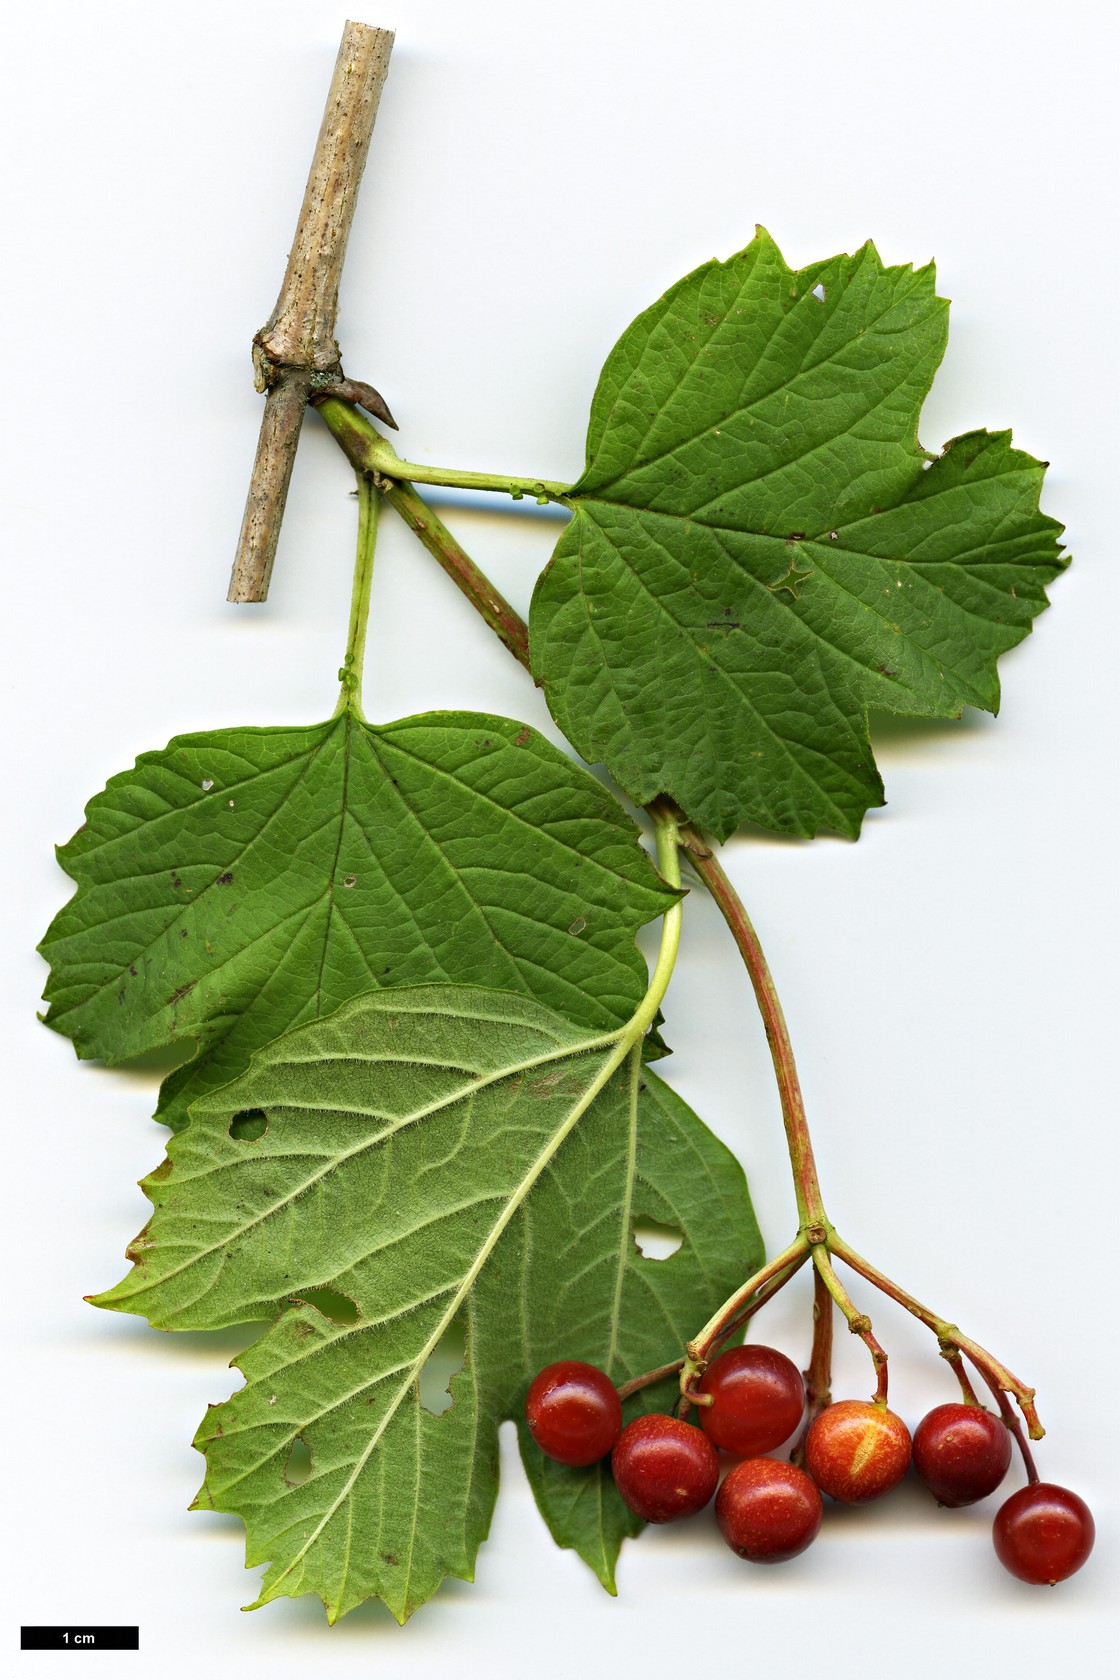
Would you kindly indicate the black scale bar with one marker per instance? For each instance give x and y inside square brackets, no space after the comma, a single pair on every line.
[71,1637]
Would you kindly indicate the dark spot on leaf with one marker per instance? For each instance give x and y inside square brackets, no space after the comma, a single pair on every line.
[182,933]
[132,971]
[175,881]
[177,997]
[224,880]
[391,1559]
[523,737]
[248,1124]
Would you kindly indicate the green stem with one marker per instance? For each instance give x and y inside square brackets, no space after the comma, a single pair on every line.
[667,839]
[366,447]
[350,674]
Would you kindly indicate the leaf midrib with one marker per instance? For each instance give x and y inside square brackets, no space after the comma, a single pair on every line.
[485,1250]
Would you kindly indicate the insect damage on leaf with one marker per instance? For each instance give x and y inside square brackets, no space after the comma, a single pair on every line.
[405,1170]
[245,880]
[762,550]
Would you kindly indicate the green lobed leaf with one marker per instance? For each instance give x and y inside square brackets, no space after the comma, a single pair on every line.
[243,881]
[762,550]
[476,1161]
[575,1250]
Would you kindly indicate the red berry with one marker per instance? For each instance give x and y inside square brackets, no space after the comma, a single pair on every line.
[768,1510]
[961,1453]
[1043,1534]
[758,1396]
[857,1450]
[574,1412]
[663,1468]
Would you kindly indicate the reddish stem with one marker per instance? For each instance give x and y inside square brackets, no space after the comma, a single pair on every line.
[1007,1413]
[764,1295]
[953,1357]
[810,1206]
[738,1307]
[626,1389]
[818,1377]
[995,1374]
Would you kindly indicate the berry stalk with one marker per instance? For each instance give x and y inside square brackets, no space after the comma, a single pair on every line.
[995,1374]
[858,1323]
[818,1377]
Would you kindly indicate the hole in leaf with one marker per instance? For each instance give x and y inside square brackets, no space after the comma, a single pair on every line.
[349,880]
[443,1363]
[298,1467]
[248,1125]
[819,293]
[655,1241]
[340,1309]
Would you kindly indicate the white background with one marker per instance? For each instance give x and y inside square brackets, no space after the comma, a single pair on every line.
[538,175]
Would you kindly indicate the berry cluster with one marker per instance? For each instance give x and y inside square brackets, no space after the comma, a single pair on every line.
[751,1400]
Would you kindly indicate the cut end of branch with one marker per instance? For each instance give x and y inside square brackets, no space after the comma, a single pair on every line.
[298,343]
[268,487]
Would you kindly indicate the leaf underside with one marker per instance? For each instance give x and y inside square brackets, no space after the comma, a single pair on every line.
[240,882]
[436,1156]
[762,550]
